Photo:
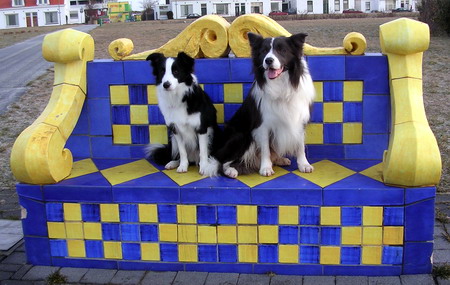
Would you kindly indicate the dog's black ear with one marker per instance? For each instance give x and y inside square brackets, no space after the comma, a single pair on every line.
[155,57]
[298,39]
[186,61]
[254,39]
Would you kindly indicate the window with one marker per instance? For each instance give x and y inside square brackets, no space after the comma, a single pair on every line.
[309,6]
[256,7]
[222,9]
[18,3]
[186,9]
[274,7]
[367,6]
[12,20]
[203,8]
[74,15]
[51,18]
[337,5]
[345,4]
[42,2]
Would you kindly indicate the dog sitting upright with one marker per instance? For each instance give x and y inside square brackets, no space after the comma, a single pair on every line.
[188,112]
[271,122]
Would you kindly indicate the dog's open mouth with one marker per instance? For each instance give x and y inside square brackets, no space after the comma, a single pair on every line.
[274,73]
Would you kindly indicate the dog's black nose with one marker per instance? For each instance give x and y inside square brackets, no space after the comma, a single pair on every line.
[166,84]
[269,60]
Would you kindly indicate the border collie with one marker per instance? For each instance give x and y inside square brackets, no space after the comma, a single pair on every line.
[188,112]
[271,122]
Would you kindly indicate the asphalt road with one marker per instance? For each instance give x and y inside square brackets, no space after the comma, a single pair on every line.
[22,63]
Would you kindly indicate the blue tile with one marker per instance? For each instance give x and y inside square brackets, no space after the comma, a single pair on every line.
[229,110]
[102,147]
[79,146]
[111,231]
[373,147]
[140,135]
[167,214]
[169,252]
[309,254]
[206,215]
[155,117]
[55,212]
[82,126]
[35,223]
[120,115]
[288,234]
[226,215]
[352,270]
[350,255]
[138,94]
[99,117]
[86,263]
[332,133]
[351,216]
[207,253]
[137,151]
[417,257]
[215,92]
[327,67]
[288,269]
[325,151]
[330,236]
[333,91]
[130,232]
[98,80]
[138,72]
[268,253]
[417,269]
[419,221]
[149,232]
[267,215]
[128,213]
[131,251]
[413,195]
[212,70]
[220,267]
[309,235]
[317,113]
[392,255]
[353,112]
[29,191]
[90,212]
[241,70]
[58,247]
[393,216]
[309,215]
[376,114]
[227,253]
[94,248]
[372,69]
[37,250]
[217,190]
[246,89]
[357,165]
[103,164]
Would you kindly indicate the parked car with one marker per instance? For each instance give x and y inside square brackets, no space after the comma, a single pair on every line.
[193,16]
[351,11]
[400,10]
[278,13]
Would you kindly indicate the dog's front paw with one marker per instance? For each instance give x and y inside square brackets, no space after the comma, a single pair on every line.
[266,171]
[305,168]
[231,172]
[282,161]
[183,167]
[172,164]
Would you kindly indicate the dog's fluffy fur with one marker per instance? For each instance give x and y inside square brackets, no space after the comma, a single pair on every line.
[189,114]
[271,122]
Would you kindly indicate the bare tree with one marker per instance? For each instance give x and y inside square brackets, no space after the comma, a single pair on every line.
[148,4]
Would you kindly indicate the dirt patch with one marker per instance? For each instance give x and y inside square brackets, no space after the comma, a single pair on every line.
[11,36]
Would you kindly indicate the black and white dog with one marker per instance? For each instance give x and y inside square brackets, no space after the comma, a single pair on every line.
[271,122]
[189,114]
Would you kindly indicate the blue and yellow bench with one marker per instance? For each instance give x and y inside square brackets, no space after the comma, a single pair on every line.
[91,200]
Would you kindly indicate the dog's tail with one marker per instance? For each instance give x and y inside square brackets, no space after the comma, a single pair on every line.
[159,153]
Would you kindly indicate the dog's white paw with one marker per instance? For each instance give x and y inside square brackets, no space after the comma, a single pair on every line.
[282,161]
[209,168]
[305,168]
[231,172]
[266,171]
[183,167]
[172,164]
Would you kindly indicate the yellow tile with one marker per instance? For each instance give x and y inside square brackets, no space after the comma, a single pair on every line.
[393,235]
[255,179]
[148,213]
[207,234]
[226,234]
[247,214]
[330,255]
[109,213]
[371,255]
[326,173]
[268,234]
[119,95]
[351,235]
[352,133]
[220,113]
[187,233]
[353,91]
[288,253]
[82,167]
[151,95]
[168,232]
[314,134]
[121,134]
[72,212]
[139,114]
[128,171]
[248,253]
[233,93]
[374,172]
[112,249]
[150,251]
[56,230]
[319,91]
[187,214]
[74,230]
[373,235]
[187,253]
[92,231]
[330,216]
[158,134]
[372,216]
[247,234]
[181,179]
[75,248]
[288,215]
[332,112]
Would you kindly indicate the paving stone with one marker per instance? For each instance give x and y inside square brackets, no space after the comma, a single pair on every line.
[286,280]
[4,275]
[315,280]
[441,243]
[98,276]
[222,279]
[10,267]
[352,280]
[40,272]
[384,280]
[16,282]
[441,256]
[127,277]
[22,271]
[438,230]
[421,279]
[441,281]
[73,275]
[188,278]
[254,279]
[16,258]
[158,278]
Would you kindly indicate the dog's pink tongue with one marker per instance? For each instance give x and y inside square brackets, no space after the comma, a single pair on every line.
[274,73]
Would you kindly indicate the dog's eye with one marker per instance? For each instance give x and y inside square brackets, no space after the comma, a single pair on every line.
[175,71]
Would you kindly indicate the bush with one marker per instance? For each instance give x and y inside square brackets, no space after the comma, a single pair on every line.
[436,13]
